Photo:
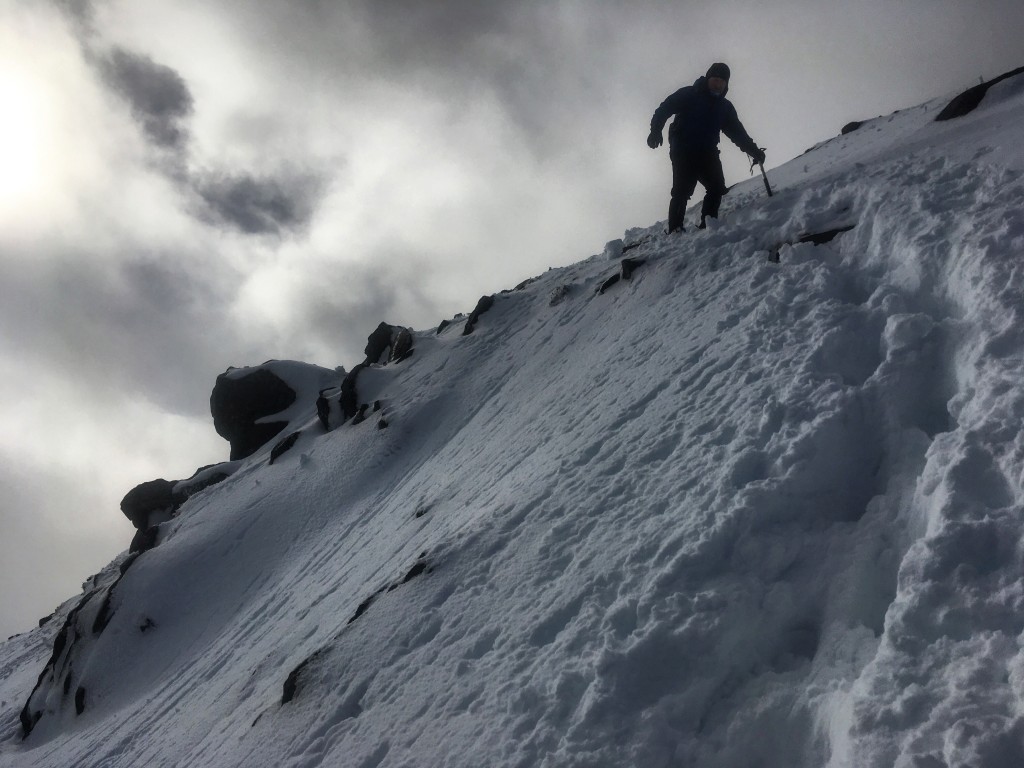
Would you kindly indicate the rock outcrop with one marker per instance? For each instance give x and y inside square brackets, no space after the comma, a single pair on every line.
[388,344]
[252,406]
[968,101]
[483,305]
[240,403]
[150,503]
[626,269]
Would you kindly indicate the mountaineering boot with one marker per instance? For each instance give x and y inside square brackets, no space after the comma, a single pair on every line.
[676,211]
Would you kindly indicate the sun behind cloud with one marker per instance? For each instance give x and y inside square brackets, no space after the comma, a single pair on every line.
[22,138]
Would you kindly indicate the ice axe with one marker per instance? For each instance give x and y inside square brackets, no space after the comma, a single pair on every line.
[764,176]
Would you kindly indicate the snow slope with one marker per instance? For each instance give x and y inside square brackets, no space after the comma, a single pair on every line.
[728,512]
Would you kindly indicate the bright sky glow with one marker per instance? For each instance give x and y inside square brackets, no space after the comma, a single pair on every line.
[23,133]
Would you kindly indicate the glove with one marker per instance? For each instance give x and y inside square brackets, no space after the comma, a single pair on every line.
[654,140]
[758,156]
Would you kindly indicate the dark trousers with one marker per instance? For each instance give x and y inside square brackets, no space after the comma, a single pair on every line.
[687,169]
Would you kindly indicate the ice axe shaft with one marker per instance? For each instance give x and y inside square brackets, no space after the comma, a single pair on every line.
[767,186]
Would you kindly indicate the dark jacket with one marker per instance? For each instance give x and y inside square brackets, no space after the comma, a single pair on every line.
[700,118]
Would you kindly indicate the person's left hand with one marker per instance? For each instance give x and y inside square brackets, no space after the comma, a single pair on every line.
[758,156]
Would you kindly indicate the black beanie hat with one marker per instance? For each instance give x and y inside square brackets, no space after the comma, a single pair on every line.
[719,70]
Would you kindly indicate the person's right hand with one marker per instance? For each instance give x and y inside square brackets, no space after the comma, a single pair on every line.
[654,140]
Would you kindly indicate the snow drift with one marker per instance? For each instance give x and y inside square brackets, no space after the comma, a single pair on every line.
[756,502]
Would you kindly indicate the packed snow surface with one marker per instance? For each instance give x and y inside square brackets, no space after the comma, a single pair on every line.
[729,512]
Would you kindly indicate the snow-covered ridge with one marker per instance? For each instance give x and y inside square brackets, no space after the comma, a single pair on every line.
[728,511]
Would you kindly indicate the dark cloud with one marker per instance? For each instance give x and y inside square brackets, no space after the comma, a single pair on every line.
[161,102]
[260,206]
[158,96]
[158,327]
[81,14]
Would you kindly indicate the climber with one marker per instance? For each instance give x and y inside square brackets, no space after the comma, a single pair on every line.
[702,112]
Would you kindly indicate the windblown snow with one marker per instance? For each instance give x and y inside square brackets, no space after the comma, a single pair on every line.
[759,504]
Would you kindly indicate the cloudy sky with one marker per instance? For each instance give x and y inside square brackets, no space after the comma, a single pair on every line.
[195,184]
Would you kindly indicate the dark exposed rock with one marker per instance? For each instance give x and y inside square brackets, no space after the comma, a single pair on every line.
[151,499]
[377,343]
[238,402]
[402,346]
[393,340]
[387,344]
[28,720]
[820,238]
[283,446]
[147,625]
[151,503]
[68,650]
[524,284]
[292,683]
[817,238]
[484,304]
[969,100]
[80,700]
[629,266]
[851,127]
[417,570]
[558,295]
[382,424]
[144,539]
[626,269]
[444,324]
[349,399]
[128,562]
[63,642]
[363,607]
[255,437]
[964,103]
[323,410]
[609,283]
[103,616]
[360,416]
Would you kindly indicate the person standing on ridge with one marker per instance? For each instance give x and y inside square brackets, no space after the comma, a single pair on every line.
[702,114]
